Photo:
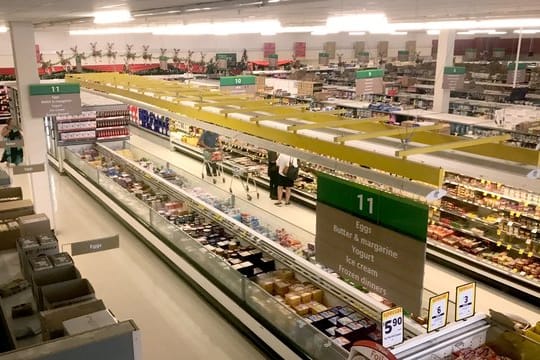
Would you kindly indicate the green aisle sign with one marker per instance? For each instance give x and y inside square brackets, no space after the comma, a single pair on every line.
[390,211]
[54,89]
[273,56]
[521,66]
[369,74]
[237,80]
[457,70]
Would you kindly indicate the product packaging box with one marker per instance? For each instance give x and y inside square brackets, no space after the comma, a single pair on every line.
[88,322]
[16,208]
[27,247]
[48,244]
[9,233]
[34,224]
[66,293]
[10,194]
[52,320]
[54,275]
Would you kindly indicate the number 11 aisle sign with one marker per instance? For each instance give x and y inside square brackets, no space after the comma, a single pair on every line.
[55,99]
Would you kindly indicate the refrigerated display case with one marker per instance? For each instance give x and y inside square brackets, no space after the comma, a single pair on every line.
[214,204]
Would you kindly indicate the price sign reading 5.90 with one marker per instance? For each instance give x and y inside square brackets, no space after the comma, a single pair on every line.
[392,326]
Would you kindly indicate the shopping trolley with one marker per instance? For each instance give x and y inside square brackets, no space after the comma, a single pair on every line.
[246,176]
[213,162]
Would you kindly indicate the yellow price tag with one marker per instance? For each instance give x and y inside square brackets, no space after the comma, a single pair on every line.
[530,254]
[521,251]
[508,247]
[511,213]
[499,232]
[514,270]
[498,197]
[526,204]
[485,193]
[518,214]
[482,181]
[499,243]
[489,182]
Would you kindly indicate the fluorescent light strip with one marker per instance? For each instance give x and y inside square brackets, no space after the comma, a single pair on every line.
[113,16]
[359,22]
[112,31]
[357,33]
[527,31]
[3,29]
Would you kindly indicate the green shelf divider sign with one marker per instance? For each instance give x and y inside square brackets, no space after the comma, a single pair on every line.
[454,70]
[54,89]
[521,66]
[390,211]
[369,74]
[273,56]
[237,80]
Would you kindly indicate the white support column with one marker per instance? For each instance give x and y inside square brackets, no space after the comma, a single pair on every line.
[445,57]
[35,148]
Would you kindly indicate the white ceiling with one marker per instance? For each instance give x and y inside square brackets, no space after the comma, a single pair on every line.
[290,12]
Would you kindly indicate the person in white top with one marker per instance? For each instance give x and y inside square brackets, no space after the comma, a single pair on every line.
[284,183]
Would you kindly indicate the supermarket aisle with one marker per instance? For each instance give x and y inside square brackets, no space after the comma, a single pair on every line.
[135,284]
[437,278]
[294,213]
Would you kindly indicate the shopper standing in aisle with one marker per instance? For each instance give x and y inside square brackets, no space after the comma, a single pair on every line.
[284,163]
[210,143]
[12,155]
[273,174]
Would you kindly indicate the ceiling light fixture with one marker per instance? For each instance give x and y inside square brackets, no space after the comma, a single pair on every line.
[433,32]
[113,16]
[3,29]
[112,31]
[527,31]
[468,24]
[221,28]
[359,22]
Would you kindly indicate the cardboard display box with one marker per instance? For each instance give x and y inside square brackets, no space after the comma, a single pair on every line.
[10,194]
[52,320]
[9,233]
[31,246]
[34,224]
[16,208]
[88,322]
[66,293]
[54,275]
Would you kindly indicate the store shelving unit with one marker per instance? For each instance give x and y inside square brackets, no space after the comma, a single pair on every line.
[73,129]
[13,96]
[493,227]
[4,105]
[112,123]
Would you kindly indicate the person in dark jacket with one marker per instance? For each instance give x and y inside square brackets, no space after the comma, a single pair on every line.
[12,155]
[209,141]
[273,174]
